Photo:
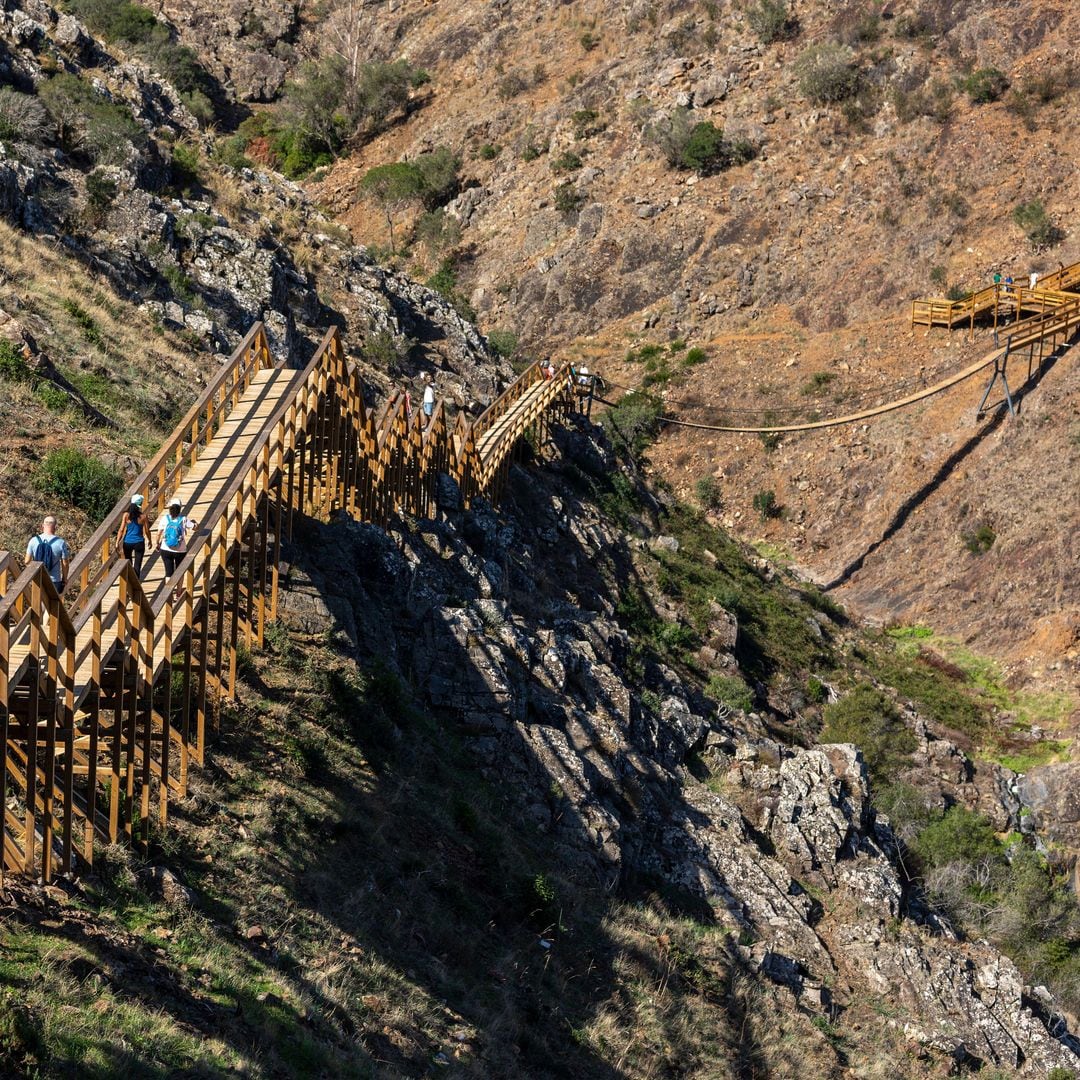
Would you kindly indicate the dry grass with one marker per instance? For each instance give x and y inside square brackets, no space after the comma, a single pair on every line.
[125,367]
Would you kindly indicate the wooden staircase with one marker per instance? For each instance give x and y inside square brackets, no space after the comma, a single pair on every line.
[107,693]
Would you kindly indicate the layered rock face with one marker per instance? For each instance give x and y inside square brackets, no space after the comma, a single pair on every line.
[779,845]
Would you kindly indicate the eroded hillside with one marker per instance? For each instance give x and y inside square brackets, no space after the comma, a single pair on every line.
[579,224]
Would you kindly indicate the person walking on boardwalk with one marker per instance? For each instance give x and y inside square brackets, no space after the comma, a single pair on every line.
[51,551]
[1034,279]
[429,398]
[171,532]
[134,535]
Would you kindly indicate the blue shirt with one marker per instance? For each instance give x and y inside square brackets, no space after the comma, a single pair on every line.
[60,551]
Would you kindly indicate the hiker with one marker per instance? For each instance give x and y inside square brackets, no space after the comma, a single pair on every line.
[51,551]
[134,535]
[171,532]
[1008,283]
[997,278]
[549,369]
[584,378]
[1034,278]
[429,398]
[408,407]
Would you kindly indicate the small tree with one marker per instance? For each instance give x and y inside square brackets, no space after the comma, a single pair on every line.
[392,187]
[827,73]
[771,21]
[1035,221]
[765,504]
[439,173]
[985,85]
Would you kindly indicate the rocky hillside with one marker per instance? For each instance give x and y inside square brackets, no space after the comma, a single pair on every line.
[585,222]
[536,793]
[107,176]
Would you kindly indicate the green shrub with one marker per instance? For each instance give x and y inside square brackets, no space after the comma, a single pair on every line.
[185,167]
[51,396]
[568,199]
[867,718]
[979,540]
[939,275]
[700,147]
[957,292]
[137,27]
[731,691]
[86,323]
[13,367]
[1034,220]
[100,194]
[827,73]
[632,423]
[81,480]
[985,85]
[439,180]
[445,282]
[818,382]
[437,231]
[694,357]
[503,343]
[958,836]
[567,161]
[709,493]
[488,152]
[704,151]
[23,119]
[589,40]
[771,21]
[816,690]
[586,123]
[765,504]
[88,123]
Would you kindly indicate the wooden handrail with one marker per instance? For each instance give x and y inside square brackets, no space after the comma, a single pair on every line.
[115,647]
[159,478]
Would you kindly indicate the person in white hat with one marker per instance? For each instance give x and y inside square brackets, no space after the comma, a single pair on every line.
[133,535]
[171,532]
[429,397]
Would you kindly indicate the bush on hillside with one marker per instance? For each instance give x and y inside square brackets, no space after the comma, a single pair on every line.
[81,480]
[867,718]
[827,73]
[764,502]
[439,176]
[985,85]
[88,122]
[709,493]
[23,119]
[1036,223]
[144,34]
[437,231]
[568,199]
[772,21]
[503,343]
[701,147]
[632,423]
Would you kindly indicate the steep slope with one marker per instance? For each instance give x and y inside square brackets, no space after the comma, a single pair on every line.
[794,267]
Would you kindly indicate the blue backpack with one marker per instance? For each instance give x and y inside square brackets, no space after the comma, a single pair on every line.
[174,532]
[44,554]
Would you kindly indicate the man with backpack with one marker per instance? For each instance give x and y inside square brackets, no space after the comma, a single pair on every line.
[170,533]
[51,551]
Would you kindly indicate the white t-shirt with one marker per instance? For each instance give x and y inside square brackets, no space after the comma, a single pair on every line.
[185,527]
[429,394]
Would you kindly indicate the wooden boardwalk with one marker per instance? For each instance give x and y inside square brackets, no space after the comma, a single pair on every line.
[1000,302]
[106,693]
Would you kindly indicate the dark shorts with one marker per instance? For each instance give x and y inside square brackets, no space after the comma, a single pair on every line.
[172,559]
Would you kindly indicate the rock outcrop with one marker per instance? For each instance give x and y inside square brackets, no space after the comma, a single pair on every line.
[781,847]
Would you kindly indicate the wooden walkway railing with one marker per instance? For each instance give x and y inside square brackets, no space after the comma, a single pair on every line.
[999,300]
[107,693]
